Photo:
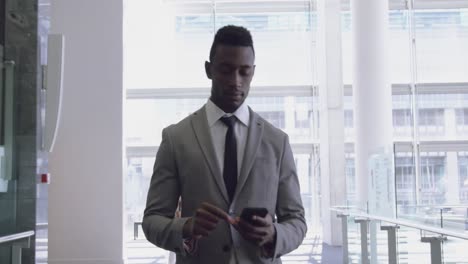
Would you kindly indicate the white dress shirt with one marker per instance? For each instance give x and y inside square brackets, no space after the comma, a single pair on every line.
[218,131]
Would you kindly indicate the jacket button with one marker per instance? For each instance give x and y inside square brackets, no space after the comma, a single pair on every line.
[226,248]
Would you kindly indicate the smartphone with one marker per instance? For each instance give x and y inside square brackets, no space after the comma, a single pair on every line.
[249,212]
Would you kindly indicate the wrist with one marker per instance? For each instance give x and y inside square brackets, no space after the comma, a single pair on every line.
[271,241]
[187,228]
[268,249]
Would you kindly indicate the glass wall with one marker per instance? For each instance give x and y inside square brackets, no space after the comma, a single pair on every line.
[441,35]
[293,114]
[433,111]
[7,185]
[18,125]
[188,28]
[166,82]
[428,69]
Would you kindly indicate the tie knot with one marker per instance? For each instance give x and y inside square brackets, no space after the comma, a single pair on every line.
[228,121]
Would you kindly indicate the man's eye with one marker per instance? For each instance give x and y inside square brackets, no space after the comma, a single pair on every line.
[225,70]
[245,72]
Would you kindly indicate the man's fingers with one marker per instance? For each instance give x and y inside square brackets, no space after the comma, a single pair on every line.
[199,231]
[232,220]
[206,215]
[203,227]
[252,229]
[246,226]
[258,231]
[206,224]
[256,235]
[260,221]
[215,211]
[207,218]
[253,238]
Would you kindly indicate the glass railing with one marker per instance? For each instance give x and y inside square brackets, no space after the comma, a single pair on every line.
[13,244]
[8,183]
[432,238]
[453,217]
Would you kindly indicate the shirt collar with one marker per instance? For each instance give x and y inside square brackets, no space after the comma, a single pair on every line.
[214,113]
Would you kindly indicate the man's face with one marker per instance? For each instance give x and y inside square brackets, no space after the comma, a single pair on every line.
[231,72]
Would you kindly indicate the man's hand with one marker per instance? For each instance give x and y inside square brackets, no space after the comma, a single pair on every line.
[259,230]
[204,221]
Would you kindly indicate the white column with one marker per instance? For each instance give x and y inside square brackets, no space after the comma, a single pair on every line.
[373,112]
[371,87]
[332,159]
[86,166]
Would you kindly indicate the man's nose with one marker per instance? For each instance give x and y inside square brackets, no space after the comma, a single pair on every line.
[235,79]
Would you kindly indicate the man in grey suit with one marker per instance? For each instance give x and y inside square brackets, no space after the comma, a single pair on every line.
[219,160]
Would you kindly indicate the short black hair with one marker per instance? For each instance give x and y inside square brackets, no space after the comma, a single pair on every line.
[231,35]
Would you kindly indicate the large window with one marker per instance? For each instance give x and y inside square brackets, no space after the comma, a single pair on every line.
[441,37]
[428,69]
[462,120]
[166,45]
[405,181]
[440,34]
[402,118]
[404,174]
[167,42]
[144,135]
[433,181]
[350,172]
[431,121]
[463,177]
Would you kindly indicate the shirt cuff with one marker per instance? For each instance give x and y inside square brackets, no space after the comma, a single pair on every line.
[190,246]
[268,250]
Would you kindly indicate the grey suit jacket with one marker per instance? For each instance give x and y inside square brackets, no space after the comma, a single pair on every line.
[186,167]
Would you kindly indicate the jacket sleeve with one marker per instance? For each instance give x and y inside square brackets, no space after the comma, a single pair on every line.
[159,224]
[290,226]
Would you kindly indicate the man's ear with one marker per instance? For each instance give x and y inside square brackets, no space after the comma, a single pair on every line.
[208,69]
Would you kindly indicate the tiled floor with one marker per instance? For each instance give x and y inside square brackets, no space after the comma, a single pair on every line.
[311,251]
[410,250]
[140,251]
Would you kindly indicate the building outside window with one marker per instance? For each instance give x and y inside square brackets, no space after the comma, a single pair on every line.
[157,100]
[463,177]
[433,180]
[431,121]
[462,120]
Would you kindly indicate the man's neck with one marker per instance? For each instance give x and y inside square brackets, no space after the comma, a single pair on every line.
[226,110]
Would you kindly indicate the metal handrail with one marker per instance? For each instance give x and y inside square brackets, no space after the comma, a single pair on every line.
[434,206]
[42,226]
[403,223]
[17,236]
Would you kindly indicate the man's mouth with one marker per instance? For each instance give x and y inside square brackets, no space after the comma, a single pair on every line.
[234,95]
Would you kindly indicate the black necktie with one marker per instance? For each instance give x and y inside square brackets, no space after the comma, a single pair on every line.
[230,157]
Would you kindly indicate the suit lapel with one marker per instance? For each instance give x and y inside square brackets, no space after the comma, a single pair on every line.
[254,137]
[202,133]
